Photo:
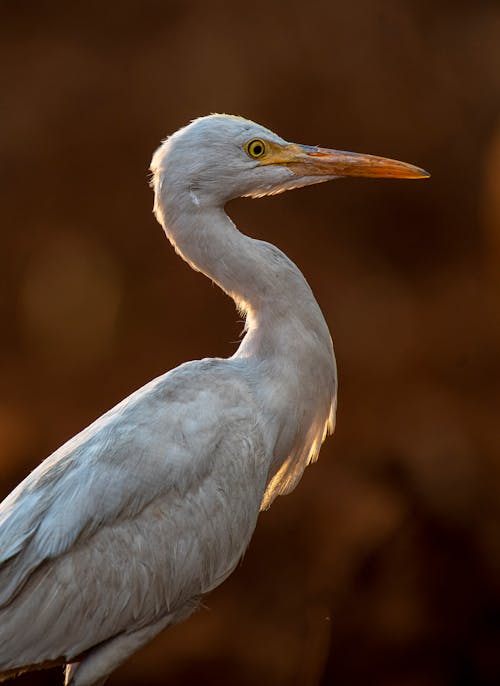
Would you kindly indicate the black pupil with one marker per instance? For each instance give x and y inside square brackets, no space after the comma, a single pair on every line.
[257,149]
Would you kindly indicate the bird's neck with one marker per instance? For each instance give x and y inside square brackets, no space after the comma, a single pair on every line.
[280,308]
[251,272]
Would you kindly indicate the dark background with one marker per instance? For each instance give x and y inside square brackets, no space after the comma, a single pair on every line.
[383,567]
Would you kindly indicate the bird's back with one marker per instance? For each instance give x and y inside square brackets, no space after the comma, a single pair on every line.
[135,517]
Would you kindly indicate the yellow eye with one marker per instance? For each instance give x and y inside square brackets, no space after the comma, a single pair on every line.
[256,148]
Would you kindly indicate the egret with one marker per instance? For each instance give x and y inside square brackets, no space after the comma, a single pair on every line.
[118,533]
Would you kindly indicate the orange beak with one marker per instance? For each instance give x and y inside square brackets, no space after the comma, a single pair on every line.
[305,160]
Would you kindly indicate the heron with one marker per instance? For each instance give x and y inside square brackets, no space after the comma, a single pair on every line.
[118,533]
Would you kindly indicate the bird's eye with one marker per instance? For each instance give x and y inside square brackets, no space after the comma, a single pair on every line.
[256,148]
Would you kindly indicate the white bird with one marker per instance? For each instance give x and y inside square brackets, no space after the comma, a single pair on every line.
[118,533]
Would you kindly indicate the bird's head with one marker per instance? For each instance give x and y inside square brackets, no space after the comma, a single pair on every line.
[220,157]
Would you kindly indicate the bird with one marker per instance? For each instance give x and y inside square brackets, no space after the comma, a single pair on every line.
[120,532]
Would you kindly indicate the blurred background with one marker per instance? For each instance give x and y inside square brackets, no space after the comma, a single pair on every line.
[383,567]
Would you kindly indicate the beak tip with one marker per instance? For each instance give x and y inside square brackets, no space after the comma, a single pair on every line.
[423,174]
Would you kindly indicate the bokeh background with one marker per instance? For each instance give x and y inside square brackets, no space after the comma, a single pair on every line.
[383,567]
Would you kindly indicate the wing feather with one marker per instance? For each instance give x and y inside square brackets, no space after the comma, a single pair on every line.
[146,509]
[160,439]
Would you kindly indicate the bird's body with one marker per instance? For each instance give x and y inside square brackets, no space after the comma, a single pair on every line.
[120,531]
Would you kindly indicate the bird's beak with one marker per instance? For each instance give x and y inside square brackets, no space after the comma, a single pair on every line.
[309,161]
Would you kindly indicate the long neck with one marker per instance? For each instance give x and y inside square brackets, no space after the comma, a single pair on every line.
[262,281]
[211,244]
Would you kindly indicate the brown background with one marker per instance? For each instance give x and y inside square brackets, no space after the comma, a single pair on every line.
[383,568]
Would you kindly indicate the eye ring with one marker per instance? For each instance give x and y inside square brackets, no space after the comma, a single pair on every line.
[255,148]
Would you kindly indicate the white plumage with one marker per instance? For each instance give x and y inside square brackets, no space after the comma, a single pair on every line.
[118,533]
